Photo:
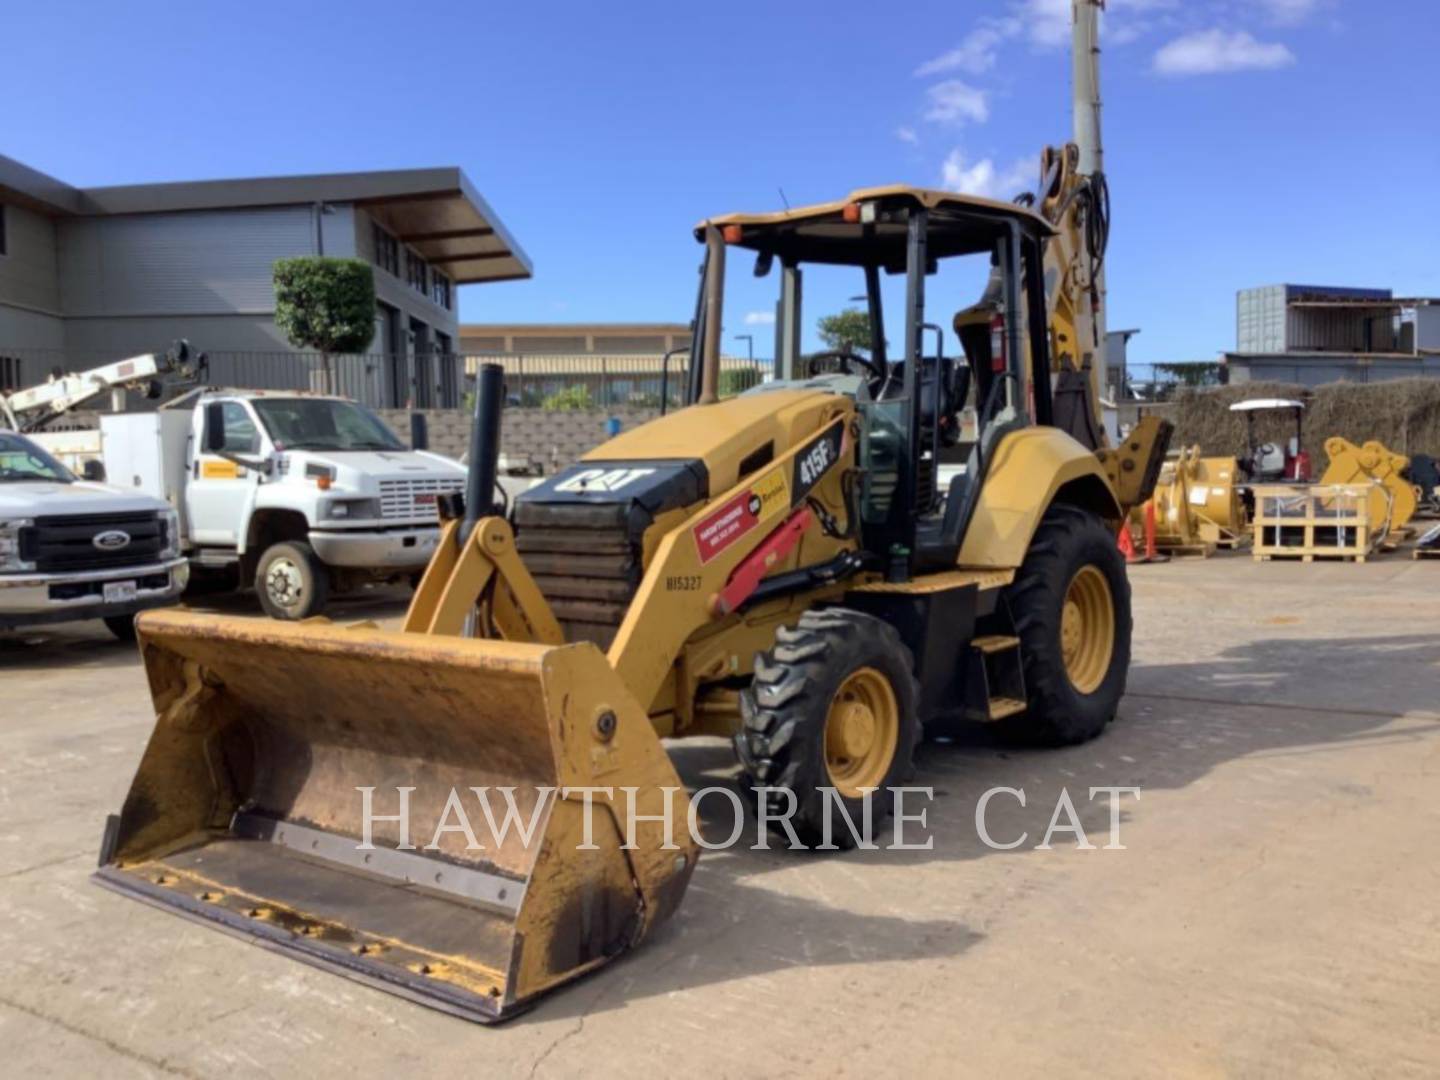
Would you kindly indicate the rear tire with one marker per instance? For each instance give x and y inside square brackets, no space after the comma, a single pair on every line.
[291,581]
[122,626]
[1071,607]
[831,705]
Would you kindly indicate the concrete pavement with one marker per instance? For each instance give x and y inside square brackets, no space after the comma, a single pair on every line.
[1274,910]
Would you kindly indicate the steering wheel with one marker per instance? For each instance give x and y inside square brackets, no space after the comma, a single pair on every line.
[846,358]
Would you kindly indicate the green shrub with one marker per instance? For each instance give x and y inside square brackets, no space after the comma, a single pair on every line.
[737,380]
[568,400]
[327,305]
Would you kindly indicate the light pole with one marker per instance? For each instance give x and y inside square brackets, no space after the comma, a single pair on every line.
[749,340]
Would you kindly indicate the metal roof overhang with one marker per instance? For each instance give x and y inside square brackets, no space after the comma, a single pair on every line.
[437,212]
[1391,304]
[455,231]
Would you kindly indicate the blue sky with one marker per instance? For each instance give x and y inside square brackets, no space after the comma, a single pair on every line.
[1248,141]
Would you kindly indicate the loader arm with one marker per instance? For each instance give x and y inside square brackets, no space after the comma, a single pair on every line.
[484,573]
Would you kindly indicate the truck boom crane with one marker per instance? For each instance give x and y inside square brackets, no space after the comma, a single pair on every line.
[34,407]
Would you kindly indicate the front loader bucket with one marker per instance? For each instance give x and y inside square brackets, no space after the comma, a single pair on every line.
[248,811]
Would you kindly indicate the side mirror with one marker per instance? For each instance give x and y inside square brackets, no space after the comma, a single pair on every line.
[763,262]
[214,428]
[93,470]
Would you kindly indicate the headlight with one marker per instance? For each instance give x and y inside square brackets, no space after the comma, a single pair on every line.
[170,524]
[10,545]
[351,509]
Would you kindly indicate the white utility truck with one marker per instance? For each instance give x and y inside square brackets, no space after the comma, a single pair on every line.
[78,549]
[300,494]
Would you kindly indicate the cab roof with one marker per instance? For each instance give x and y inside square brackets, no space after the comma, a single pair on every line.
[958,225]
[1260,404]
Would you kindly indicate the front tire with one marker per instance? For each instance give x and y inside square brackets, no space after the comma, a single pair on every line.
[291,581]
[1070,603]
[122,626]
[832,705]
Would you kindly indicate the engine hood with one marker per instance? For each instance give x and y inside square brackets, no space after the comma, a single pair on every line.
[386,464]
[27,499]
[730,437]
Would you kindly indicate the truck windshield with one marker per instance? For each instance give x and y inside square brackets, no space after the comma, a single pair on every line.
[21,459]
[323,424]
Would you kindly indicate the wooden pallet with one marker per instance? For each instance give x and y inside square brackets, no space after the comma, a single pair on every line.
[1425,553]
[1311,522]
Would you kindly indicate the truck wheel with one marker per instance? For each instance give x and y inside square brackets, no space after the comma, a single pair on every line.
[1071,606]
[291,581]
[832,705]
[122,626]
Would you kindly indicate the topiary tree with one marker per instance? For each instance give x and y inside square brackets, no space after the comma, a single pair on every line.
[324,304]
[845,331]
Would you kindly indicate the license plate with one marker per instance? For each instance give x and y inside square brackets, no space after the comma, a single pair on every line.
[119,592]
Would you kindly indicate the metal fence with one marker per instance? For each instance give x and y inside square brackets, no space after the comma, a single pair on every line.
[606,381]
[1160,382]
[427,380]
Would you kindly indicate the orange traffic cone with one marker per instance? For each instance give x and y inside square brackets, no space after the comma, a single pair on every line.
[1126,544]
[1151,552]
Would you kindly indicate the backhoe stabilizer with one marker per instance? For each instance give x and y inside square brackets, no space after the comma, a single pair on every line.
[280,749]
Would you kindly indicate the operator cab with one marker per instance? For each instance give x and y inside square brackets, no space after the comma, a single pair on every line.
[909,402]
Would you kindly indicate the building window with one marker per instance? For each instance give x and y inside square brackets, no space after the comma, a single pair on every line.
[415,273]
[387,250]
[440,289]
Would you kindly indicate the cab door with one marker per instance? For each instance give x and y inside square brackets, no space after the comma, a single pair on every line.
[219,491]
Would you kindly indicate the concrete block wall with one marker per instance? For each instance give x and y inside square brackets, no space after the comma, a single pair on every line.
[549,439]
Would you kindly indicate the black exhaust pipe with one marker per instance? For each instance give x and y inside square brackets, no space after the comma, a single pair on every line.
[484,447]
[419,432]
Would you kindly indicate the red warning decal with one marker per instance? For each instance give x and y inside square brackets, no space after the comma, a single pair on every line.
[740,513]
[727,524]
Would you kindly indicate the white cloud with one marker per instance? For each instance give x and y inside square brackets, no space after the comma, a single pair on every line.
[1047,22]
[1208,52]
[955,102]
[976,52]
[984,178]
[1290,12]
[907,135]
[759,318]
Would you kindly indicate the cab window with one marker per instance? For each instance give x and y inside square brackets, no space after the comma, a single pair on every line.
[241,434]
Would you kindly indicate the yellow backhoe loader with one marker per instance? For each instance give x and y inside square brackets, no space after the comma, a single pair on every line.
[780,568]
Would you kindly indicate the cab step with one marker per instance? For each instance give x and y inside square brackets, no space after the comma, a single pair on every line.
[995,683]
[994,643]
[1001,707]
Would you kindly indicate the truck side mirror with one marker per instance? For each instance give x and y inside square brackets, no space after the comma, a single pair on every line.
[214,428]
[93,470]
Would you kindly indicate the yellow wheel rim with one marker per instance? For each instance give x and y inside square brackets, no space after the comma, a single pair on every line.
[861,729]
[1087,629]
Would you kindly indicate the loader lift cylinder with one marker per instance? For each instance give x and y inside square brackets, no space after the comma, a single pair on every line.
[484,447]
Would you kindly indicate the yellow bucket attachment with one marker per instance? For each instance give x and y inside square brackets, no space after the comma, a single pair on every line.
[1393,500]
[249,810]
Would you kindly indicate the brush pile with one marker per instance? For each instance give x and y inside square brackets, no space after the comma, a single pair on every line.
[1404,414]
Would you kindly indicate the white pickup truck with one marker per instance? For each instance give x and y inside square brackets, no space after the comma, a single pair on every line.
[76,549]
[300,494]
